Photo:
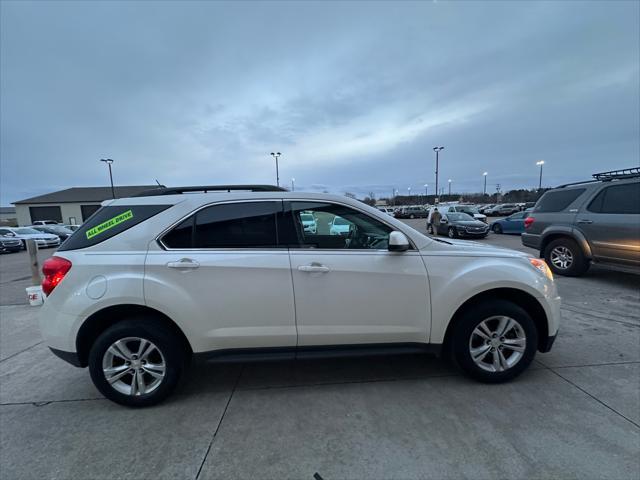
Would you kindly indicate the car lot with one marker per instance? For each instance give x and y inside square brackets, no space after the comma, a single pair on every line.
[575,414]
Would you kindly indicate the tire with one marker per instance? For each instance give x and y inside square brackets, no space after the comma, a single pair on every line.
[496,228]
[523,335]
[168,351]
[451,232]
[430,229]
[412,216]
[565,257]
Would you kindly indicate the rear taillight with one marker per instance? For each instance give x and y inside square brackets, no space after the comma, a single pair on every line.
[54,270]
[528,222]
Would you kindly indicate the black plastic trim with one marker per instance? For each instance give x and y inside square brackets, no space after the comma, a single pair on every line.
[70,357]
[545,345]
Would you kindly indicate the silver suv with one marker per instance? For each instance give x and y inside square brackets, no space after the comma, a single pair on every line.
[577,224]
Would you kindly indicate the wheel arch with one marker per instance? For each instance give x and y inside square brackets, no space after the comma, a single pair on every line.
[521,298]
[571,234]
[99,321]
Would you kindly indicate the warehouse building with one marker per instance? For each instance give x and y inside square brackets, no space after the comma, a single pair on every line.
[71,206]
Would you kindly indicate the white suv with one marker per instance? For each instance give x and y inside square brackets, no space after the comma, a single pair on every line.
[149,282]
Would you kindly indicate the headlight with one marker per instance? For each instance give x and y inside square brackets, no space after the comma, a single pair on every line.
[542,266]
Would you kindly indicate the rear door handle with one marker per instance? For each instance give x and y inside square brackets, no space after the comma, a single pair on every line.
[314,268]
[584,220]
[184,263]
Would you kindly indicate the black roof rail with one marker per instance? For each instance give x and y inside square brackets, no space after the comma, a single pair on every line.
[209,188]
[624,173]
[633,172]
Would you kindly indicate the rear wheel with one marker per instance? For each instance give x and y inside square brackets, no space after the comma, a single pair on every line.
[496,228]
[564,256]
[495,341]
[137,362]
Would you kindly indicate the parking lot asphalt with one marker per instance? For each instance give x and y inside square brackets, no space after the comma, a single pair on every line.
[574,414]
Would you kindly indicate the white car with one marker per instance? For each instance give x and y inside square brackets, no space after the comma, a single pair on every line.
[151,281]
[309,222]
[340,226]
[43,240]
[387,210]
[46,222]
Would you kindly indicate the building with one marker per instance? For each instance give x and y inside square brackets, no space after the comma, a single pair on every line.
[71,206]
[8,216]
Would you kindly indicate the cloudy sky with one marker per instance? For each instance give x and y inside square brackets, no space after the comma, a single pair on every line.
[354,95]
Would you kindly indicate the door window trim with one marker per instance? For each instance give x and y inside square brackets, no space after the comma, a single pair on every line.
[412,246]
[193,213]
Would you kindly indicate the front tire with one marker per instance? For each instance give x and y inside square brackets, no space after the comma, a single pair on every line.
[496,228]
[564,256]
[452,232]
[494,341]
[137,362]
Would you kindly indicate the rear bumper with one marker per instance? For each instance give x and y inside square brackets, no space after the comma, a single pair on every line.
[531,240]
[70,357]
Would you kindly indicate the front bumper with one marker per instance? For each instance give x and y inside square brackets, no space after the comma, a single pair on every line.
[547,343]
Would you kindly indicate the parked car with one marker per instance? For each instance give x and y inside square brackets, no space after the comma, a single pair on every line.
[309,222]
[511,224]
[132,295]
[43,240]
[502,209]
[411,212]
[459,225]
[468,209]
[340,226]
[73,228]
[62,232]
[483,209]
[595,221]
[8,244]
[46,222]
[387,210]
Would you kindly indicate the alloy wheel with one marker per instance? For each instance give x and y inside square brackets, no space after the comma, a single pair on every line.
[497,343]
[561,257]
[134,366]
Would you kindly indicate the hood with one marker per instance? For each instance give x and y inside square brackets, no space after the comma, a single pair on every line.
[470,248]
[469,223]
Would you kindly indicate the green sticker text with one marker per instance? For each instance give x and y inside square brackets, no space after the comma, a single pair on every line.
[112,222]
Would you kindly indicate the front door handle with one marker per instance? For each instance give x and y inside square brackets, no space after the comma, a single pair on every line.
[314,268]
[184,263]
[584,220]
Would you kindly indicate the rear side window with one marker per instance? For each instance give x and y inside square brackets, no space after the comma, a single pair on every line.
[558,200]
[232,225]
[109,222]
[620,199]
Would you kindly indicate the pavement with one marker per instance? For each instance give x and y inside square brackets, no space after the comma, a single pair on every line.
[574,414]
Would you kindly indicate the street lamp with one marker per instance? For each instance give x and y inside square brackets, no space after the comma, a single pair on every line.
[277,156]
[109,161]
[449,188]
[484,192]
[437,150]
[426,193]
[293,184]
[540,164]
[409,193]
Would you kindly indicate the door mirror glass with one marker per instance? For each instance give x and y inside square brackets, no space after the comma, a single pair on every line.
[444,220]
[398,242]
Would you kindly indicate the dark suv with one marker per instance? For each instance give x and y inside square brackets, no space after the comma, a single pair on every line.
[592,221]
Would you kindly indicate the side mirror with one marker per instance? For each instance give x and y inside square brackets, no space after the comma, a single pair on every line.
[444,220]
[398,242]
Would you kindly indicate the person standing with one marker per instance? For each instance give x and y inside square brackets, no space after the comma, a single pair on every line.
[435,221]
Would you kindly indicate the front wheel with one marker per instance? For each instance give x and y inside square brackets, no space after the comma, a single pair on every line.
[430,229]
[452,232]
[495,341]
[496,228]
[137,362]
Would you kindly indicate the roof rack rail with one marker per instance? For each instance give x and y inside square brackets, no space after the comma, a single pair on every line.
[633,172]
[624,173]
[209,188]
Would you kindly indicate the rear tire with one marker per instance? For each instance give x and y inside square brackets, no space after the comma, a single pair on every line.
[496,228]
[120,350]
[565,257]
[485,319]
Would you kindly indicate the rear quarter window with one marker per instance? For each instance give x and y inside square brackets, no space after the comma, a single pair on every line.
[557,200]
[108,222]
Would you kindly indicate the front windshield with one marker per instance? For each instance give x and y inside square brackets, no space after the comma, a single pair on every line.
[468,209]
[459,217]
[27,231]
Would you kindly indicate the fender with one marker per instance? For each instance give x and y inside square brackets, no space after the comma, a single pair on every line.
[557,231]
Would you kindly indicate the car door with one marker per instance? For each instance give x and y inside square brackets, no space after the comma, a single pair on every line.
[349,289]
[611,223]
[514,223]
[222,273]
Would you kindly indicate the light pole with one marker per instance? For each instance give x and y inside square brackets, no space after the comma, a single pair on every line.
[293,184]
[484,192]
[409,194]
[109,161]
[277,156]
[540,163]
[426,193]
[449,188]
[437,150]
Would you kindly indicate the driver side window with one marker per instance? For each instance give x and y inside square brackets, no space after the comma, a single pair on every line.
[331,226]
